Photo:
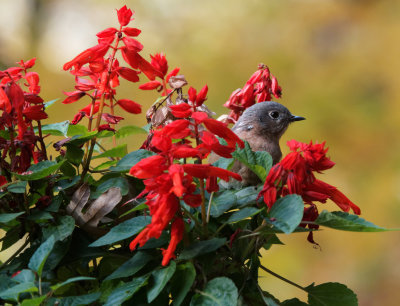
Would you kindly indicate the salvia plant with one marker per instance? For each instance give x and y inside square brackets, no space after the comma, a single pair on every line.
[97,225]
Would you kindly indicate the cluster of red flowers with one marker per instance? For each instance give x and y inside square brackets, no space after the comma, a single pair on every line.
[19,109]
[294,174]
[261,86]
[97,75]
[159,62]
[167,180]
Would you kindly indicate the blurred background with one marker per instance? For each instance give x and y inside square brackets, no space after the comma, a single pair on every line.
[338,64]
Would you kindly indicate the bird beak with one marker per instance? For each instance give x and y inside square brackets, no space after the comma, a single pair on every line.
[296,118]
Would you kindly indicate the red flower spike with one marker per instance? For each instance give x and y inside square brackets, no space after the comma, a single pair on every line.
[161,142]
[149,167]
[184,151]
[150,85]
[35,112]
[212,185]
[133,32]
[192,93]
[33,80]
[28,64]
[128,74]
[107,33]
[177,129]
[130,106]
[176,173]
[159,62]
[275,88]
[16,96]
[73,96]
[124,15]
[182,110]
[177,230]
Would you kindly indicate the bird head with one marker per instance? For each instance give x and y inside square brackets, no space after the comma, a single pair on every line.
[269,118]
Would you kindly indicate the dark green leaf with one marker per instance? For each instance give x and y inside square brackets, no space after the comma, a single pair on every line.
[130,160]
[331,294]
[286,213]
[64,184]
[39,216]
[25,276]
[260,162]
[293,302]
[129,130]
[184,277]
[106,165]
[202,247]
[224,163]
[40,170]
[5,134]
[247,196]
[50,103]
[219,291]
[61,231]
[38,258]
[18,187]
[159,280]
[269,299]
[346,222]
[222,202]
[72,280]
[118,151]
[5,218]
[130,267]
[67,169]
[125,291]
[74,154]
[243,213]
[56,129]
[122,231]
[119,182]
[80,300]
[14,291]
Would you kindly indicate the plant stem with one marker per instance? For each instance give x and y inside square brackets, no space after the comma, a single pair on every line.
[42,145]
[282,278]
[209,206]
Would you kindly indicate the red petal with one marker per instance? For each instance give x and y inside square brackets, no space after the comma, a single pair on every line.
[34,99]
[148,69]
[128,74]
[87,56]
[78,117]
[124,15]
[150,85]
[3,180]
[132,44]
[205,171]
[35,112]
[177,230]
[4,101]
[149,167]
[132,58]
[199,117]
[112,119]
[221,130]
[177,129]
[182,110]
[105,127]
[174,72]
[107,32]
[130,106]
[73,96]
[192,94]
[202,96]
[131,31]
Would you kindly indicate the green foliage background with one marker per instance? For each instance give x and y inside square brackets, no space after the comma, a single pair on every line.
[338,64]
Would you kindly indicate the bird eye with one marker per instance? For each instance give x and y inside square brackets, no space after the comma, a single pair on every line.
[274,114]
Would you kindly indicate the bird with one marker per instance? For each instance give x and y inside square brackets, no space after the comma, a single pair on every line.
[261,125]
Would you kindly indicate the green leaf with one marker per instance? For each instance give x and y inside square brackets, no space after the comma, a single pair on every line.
[118,151]
[224,163]
[347,222]
[129,130]
[60,232]
[247,196]
[130,160]
[40,170]
[220,291]
[71,280]
[293,302]
[130,267]
[122,231]
[202,247]
[286,213]
[25,276]
[38,259]
[106,165]
[56,129]
[243,213]
[18,187]
[331,294]
[5,134]
[119,182]
[184,277]
[159,280]
[67,169]
[50,103]
[33,302]
[40,216]
[5,218]
[79,130]
[74,154]
[125,291]
[260,162]
[222,202]
[79,300]
[14,291]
